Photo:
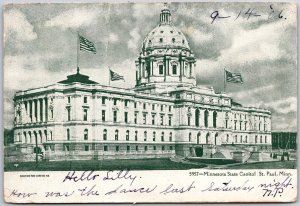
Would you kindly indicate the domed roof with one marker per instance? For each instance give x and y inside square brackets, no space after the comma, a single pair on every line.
[165,35]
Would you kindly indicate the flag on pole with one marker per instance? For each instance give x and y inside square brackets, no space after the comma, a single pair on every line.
[86,45]
[115,76]
[233,77]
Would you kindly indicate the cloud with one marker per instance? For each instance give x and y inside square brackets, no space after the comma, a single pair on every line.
[284,106]
[113,38]
[16,24]
[134,40]
[197,35]
[73,18]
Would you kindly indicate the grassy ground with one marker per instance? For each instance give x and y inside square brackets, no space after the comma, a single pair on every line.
[265,165]
[132,164]
[137,164]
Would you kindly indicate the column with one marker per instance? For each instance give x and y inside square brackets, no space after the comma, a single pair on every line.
[165,68]
[143,67]
[151,67]
[167,64]
[41,110]
[32,112]
[38,110]
[27,112]
[44,110]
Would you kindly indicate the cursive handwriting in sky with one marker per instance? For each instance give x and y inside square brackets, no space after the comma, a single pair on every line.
[256,39]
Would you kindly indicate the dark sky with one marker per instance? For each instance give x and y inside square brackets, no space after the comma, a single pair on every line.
[40,47]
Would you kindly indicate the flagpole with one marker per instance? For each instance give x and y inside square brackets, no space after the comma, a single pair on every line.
[77,52]
[108,76]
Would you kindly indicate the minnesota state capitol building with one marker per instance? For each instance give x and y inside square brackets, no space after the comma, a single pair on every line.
[164,115]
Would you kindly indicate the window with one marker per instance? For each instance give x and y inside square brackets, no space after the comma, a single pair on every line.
[144,105]
[170,137]
[189,121]
[154,134]
[127,135]
[67,148]
[246,139]
[227,138]
[160,40]
[105,134]
[171,147]
[174,69]
[235,138]
[161,119]
[136,148]
[103,100]
[162,136]
[260,139]
[206,118]
[265,139]
[135,105]
[170,120]
[259,126]
[68,134]
[84,100]
[86,148]
[69,113]
[128,148]
[115,116]
[115,101]
[117,148]
[190,137]
[135,117]
[161,69]
[85,115]
[153,106]
[117,135]
[105,148]
[183,41]
[86,134]
[51,113]
[235,125]
[264,127]
[215,119]
[240,125]
[69,100]
[170,108]
[162,108]
[153,119]
[255,139]
[103,115]
[163,148]
[126,117]
[126,103]
[241,139]
[146,148]
[226,123]
[154,147]
[144,118]
[173,40]
[197,117]
[245,125]
[145,136]
[136,136]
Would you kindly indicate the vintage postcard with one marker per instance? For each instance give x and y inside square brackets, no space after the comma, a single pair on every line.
[140,102]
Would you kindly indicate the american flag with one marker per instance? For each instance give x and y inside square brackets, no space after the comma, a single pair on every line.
[86,45]
[233,77]
[115,76]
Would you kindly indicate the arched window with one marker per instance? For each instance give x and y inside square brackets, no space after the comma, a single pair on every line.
[215,119]
[216,135]
[117,135]
[19,137]
[236,138]
[46,136]
[127,135]
[145,135]
[105,134]
[265,139]
[86,134]
[68,134]
[136,136]
[170,137]
[162,136]
[41,137]
[246,139]
[206,118]
[255,139]
[154,134]
[198,138]
[197,117]
[241,139]
[190,137]
[227,138]
[260,139]
[30,139]
[25,137]
[206,139]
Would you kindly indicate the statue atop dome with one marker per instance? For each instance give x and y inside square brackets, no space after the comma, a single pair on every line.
[166,59]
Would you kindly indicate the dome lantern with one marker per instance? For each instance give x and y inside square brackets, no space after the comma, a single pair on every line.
[165,16]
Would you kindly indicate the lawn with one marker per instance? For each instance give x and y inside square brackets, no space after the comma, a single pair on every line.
[131,164]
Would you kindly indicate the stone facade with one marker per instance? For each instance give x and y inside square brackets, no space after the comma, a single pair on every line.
[166,114]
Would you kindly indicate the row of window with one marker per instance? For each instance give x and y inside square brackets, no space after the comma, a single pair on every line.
[128,148]
[127,135]
[206,114]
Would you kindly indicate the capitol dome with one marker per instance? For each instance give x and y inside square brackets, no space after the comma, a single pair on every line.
[166,59]
[165,35]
